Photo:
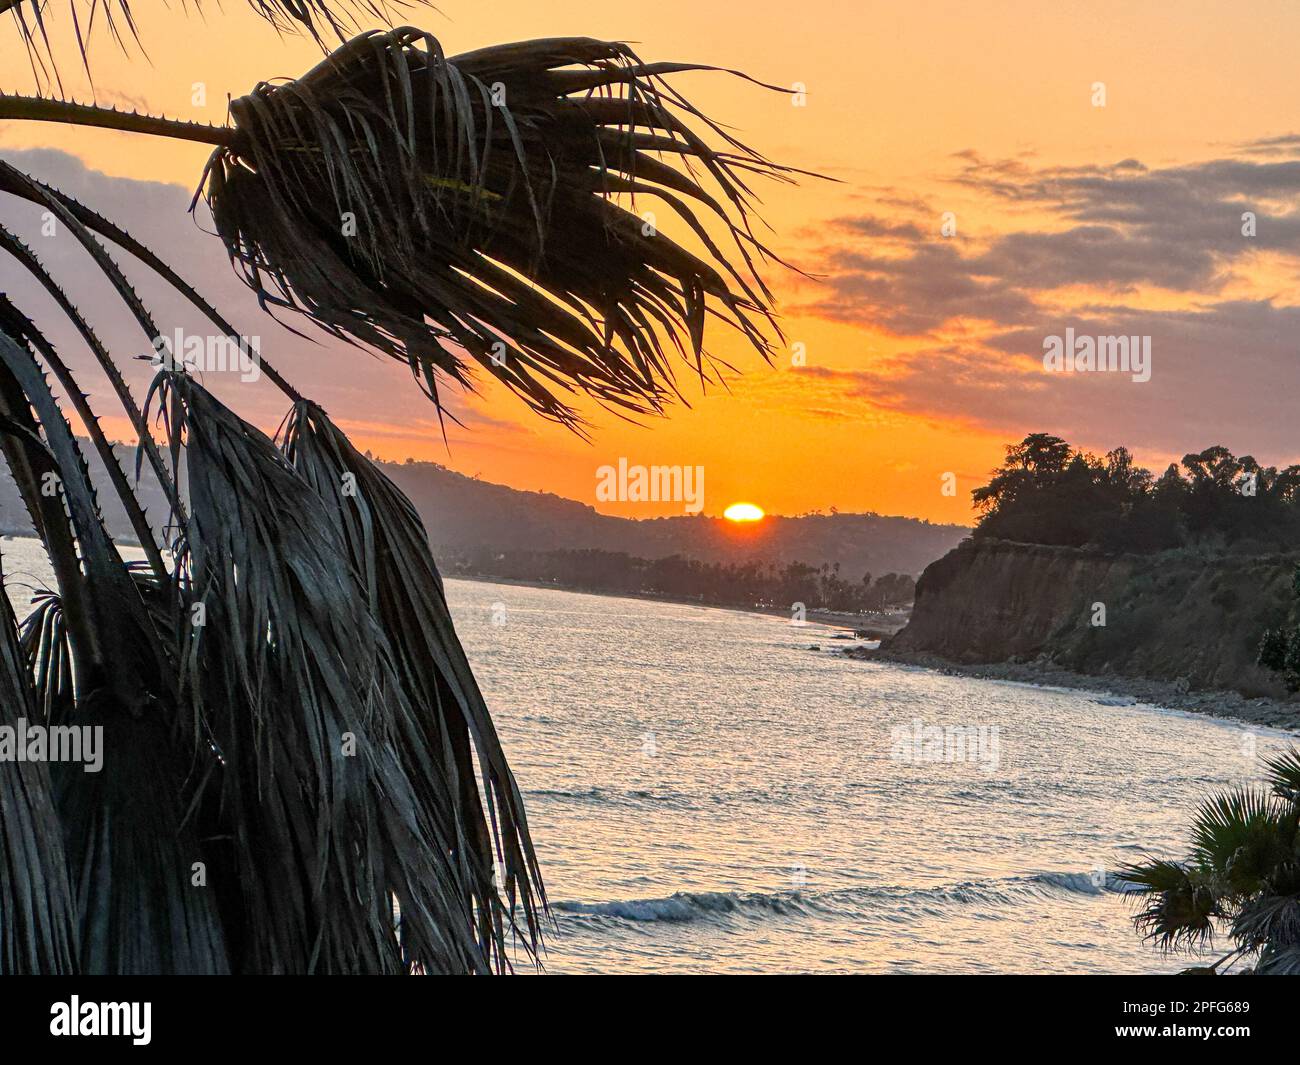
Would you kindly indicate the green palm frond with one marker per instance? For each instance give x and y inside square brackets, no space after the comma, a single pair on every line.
[1181,903]
[1243,836]
[1269,920]
[430,207]
[1243,874]
[1284,774]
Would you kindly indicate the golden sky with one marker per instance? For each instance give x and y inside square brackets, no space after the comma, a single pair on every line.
[919,347]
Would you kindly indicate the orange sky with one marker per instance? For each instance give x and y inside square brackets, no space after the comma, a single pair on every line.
[895,91]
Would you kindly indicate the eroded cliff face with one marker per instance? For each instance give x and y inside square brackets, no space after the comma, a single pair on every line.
[1175,616]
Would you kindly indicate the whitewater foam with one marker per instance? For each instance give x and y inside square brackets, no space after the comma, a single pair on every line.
[687,906]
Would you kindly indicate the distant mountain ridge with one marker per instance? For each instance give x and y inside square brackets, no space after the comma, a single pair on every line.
[462,514]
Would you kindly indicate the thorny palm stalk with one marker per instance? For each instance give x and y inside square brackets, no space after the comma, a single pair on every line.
[282,693]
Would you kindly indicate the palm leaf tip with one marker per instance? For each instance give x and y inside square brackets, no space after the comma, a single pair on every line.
[1179,905]
[317,18]
[1284,774]
[485,205]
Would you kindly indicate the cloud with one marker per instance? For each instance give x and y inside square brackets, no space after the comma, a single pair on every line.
[881,228]
[915,293]
[1116,249]
[1116,229]
[1288,144]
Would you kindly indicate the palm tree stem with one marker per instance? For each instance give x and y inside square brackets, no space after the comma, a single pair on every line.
[39,109]
[143,530]
[119,236]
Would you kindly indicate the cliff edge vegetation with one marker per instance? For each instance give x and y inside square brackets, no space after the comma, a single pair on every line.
[1092,565]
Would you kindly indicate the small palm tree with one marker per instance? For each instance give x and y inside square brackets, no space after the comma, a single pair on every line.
[1243,874]
[283,697]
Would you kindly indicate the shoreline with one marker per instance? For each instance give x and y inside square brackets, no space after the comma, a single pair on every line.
[1165,695]
[874,628]
[830,618]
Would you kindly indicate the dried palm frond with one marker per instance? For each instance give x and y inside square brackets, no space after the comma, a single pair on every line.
[449,723]
[38,928]
[294,681]
[129,852]
[222,729]
[427,207]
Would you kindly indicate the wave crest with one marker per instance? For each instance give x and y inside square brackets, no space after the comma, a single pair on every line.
[726,906]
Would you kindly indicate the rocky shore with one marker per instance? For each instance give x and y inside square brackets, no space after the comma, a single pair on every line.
[1175,695]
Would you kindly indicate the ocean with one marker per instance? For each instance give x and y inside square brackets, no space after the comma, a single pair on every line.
[719,791]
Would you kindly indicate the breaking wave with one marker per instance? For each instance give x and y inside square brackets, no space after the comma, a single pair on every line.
[688,906]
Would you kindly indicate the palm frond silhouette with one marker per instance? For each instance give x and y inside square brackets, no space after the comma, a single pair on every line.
[283,695]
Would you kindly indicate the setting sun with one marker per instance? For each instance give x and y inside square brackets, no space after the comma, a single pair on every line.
[743,512]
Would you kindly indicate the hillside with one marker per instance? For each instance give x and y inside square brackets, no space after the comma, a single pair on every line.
[463,515]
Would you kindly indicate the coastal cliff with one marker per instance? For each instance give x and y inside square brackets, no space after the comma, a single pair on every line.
[1193,619]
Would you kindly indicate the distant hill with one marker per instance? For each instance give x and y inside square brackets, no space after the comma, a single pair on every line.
[14,519]
[464,514]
